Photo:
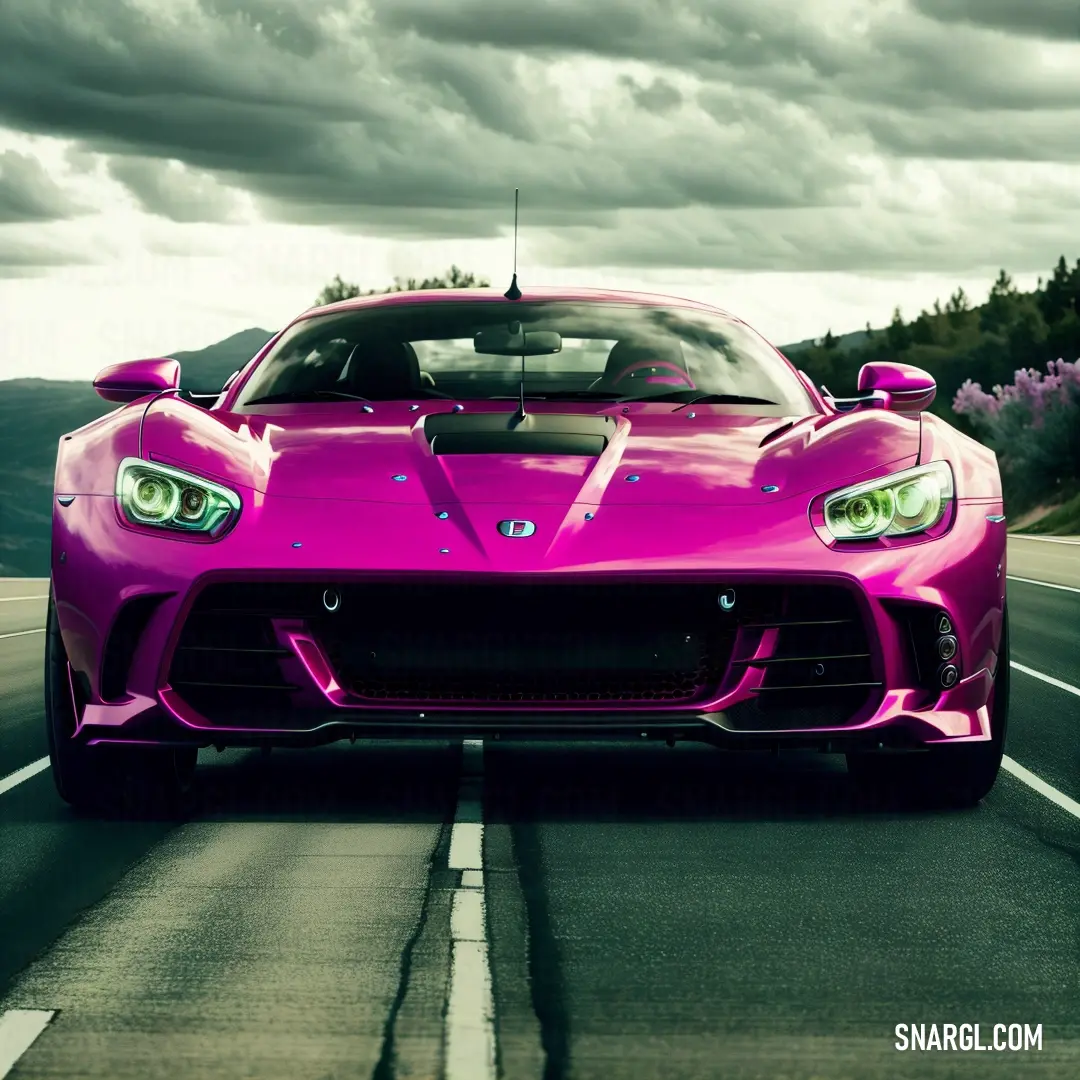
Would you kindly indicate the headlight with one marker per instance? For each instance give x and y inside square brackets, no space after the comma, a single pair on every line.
[152,494]
[898,505]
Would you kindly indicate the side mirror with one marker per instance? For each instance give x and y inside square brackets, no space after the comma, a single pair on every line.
[899,387]
[230,380]
[137,378]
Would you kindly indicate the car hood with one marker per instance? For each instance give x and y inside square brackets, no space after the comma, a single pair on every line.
[703,457]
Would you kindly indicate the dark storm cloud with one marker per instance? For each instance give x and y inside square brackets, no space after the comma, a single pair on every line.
[368,121]
[789,49]
[678,32]
[811,243]
[659,96]
[730,129]
[1051,19]
[474,81]
[991,136]
[169,190]
[280,24]
[28,193]
[18,258]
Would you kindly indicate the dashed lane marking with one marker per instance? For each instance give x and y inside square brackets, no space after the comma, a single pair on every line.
[18,1030]
[470,1013]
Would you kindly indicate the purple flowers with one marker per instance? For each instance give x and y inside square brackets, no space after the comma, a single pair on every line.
[1034,392]
[1033,426]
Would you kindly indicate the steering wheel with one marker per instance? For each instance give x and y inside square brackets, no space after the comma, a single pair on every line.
[674,375]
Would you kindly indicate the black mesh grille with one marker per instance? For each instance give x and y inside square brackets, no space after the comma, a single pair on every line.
[518,643]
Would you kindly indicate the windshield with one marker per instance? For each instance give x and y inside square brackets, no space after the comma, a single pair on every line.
[608,352]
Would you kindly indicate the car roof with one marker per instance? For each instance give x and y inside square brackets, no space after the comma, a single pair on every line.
[491,295]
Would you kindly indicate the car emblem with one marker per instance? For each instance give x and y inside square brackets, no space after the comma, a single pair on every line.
[517,528]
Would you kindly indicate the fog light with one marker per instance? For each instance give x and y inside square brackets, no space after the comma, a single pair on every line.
[948,675]
[331,600]
[946,647]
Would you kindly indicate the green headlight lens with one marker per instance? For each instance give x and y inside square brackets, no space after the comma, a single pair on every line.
[154,498]
[151,494]
[905,503]
[868,512]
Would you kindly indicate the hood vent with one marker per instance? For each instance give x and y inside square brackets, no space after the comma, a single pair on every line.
[543,434]
[776,433]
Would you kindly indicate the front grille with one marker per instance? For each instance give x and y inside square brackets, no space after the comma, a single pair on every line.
[534,644]
[529,644]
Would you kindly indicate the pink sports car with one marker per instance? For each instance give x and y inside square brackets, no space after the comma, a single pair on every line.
[559,513]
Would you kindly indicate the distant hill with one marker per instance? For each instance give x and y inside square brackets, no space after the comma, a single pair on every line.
[205,370]
[844,342]
[35,413]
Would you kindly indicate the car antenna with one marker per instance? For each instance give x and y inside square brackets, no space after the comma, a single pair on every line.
[514,293]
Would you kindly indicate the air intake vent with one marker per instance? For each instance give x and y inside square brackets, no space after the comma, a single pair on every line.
[228,657]
[127,628]
[819,670]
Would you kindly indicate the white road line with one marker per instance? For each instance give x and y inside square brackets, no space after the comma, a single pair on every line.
[467,845]
[1067,687]
[18,1030]
[22,633]
[1045,539]
[16,599]
[1047,584]
[1041,786]
[469,1025]
[19,775]
[467,915]
[467,835]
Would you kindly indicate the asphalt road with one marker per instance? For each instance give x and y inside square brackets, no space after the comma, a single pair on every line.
[641,912]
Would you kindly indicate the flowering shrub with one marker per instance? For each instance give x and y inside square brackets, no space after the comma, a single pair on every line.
[1034,427]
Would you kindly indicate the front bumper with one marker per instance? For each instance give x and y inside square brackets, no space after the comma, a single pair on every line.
[124,599]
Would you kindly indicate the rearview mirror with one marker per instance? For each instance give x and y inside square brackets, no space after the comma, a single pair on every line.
[137,378]
[512,341]
[899,387]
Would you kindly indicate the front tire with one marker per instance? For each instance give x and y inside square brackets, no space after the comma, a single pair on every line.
[958,775]
[106,779]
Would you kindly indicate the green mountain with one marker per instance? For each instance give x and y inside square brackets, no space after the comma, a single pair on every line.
[35,413]
[205,370]
[845,342]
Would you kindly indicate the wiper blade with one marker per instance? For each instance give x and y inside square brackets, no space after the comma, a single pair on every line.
[563,395]
[707,399]
[725,399]
[287,396]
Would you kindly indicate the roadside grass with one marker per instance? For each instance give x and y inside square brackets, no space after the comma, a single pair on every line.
[1063,520]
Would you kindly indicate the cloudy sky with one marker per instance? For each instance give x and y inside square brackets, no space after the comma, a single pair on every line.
[173,171]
